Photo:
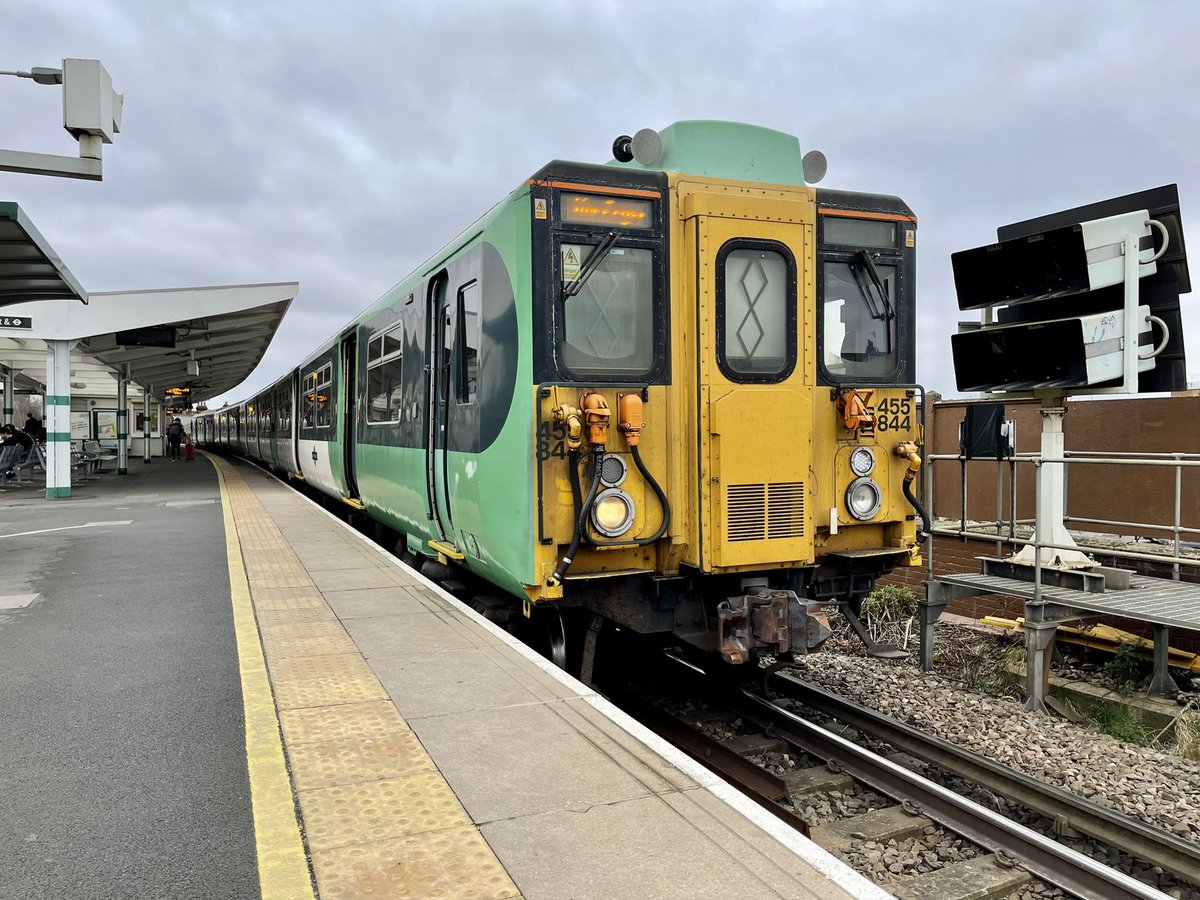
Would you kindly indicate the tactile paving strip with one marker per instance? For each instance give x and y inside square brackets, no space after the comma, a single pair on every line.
[336,723]
[456,862]
[306,639]
[394,807]
[356,759]
[268,617]
[378,817]
[323,680]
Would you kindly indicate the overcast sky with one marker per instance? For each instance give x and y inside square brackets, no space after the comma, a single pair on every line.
[340,147]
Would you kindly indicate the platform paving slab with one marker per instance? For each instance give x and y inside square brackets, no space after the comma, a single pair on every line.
[369,602]
[559,768]
[415,633]
[648,838]
[418,683]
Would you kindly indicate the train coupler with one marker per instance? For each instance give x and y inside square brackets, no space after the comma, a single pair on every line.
[774,622]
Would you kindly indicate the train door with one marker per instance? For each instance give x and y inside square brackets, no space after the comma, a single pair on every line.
[350,415]
[296,410]
[754,374]
[440,354]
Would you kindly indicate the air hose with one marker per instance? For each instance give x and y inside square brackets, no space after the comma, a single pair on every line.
[576,490]
[662,499]
[581,518]
[908,451]
[916,504]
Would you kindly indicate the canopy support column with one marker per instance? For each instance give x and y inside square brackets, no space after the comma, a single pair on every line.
[146,429]
[123,421]
[58,419]
[8,394]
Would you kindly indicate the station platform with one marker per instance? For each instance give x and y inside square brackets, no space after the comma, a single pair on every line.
[213,687]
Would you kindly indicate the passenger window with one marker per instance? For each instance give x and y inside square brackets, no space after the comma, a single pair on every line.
[323,399]
[318,405]
[384,376]
[470,330]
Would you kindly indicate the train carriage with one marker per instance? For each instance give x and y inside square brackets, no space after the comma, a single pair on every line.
[675,391]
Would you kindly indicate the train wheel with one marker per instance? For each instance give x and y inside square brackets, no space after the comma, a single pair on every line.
[556,637]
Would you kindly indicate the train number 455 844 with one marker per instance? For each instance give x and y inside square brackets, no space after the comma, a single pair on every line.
[894,414]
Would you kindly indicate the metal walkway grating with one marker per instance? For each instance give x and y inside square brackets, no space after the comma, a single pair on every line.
[1158,601]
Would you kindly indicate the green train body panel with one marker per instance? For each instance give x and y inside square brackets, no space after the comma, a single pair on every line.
[490,491]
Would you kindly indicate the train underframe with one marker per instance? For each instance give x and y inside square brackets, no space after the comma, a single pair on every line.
[736,618]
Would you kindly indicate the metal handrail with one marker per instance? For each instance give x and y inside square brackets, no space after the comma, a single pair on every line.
[1176,461]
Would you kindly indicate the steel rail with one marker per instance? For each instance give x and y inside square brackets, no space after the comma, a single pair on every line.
[1041,855]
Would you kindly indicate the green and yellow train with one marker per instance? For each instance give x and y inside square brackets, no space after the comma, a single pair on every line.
[675,392]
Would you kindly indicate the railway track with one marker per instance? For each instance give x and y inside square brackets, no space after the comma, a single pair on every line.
[925,813]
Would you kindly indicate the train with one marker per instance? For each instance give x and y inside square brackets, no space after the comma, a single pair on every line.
[673,393]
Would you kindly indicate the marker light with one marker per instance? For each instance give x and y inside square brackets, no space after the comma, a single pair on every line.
[612,470]
[862,461]
[863,499]
[612,513]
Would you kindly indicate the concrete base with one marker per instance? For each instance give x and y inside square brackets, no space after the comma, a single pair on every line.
[1154,712]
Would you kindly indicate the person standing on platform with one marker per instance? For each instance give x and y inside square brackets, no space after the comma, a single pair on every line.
[175,438]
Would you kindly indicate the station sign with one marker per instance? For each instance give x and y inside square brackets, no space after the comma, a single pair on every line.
[16,322]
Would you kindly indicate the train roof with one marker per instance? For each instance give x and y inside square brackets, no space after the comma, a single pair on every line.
[716,149]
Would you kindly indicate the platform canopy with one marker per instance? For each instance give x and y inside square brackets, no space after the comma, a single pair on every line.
[29,267]
[203,340]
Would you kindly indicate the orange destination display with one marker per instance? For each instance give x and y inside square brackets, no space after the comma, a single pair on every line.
[593,209]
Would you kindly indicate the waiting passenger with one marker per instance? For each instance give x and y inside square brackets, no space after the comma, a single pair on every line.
[10,435]
[175,438]
[33,428]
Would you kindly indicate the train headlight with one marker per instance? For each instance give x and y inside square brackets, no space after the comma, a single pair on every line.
[863,498]
[612,513]
[862,461]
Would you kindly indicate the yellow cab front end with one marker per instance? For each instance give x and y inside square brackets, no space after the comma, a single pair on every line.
[764,473]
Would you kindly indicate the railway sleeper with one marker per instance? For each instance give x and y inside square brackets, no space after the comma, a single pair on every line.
[891,824]
[751,744]
[805,783]
[981,878]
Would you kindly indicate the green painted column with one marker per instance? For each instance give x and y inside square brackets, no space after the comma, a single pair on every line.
[123,421]
[58,419]
[146,429]
[9,409]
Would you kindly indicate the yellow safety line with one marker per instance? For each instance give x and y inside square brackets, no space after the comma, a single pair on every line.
[283,872]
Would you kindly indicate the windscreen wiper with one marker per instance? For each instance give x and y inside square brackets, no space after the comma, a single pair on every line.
[884,312]
[570,289]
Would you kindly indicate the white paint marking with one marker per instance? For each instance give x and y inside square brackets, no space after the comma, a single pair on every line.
[17,601]
[66,528]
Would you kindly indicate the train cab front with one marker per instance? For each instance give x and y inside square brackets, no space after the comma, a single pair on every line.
[723,377]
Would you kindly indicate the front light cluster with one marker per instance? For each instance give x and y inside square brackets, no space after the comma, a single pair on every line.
[612,513]
[863,499]
[862,461]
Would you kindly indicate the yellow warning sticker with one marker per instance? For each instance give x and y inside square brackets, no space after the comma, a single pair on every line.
[570,261]
[910,238]
[539,209]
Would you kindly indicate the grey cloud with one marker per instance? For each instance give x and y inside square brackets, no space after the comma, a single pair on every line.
[340,147]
